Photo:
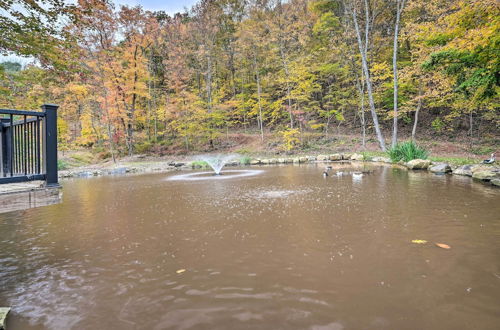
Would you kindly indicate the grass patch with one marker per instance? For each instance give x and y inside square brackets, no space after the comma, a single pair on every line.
[82,158]
[199,163]
[62,164]
[454,160]
[407,151]
[369,155]
[245,160]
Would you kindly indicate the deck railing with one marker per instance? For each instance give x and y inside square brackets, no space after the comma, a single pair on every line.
[28,145]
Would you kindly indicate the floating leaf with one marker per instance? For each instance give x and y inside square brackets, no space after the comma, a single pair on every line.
[180,271]
[443,246]
[419,241]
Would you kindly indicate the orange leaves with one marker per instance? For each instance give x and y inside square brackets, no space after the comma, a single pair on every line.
[443,246]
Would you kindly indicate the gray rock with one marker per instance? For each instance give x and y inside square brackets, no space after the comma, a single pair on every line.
[322,157]
[495,182]
[440,168]
[255,162]
[311,158]
[418,164]
[346,156]
[303,159]
[357,157]
[119,170]
[335,157]
[485,175]
[463,170]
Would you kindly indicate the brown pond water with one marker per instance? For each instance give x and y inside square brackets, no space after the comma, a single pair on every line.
[284,249]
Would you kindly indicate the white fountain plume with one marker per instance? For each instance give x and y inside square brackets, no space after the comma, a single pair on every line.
[217,161]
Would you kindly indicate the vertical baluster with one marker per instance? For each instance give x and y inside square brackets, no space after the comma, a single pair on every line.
[30,144]
[11,158]
[25,153]
[16,142]
[38,145]
[32,132]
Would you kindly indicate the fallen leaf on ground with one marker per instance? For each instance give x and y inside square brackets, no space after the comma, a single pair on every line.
[180,271]
[443,246]
[419,241]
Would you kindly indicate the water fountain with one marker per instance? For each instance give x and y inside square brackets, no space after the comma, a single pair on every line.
[217,162]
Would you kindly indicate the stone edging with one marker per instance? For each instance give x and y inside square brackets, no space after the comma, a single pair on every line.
[485,173]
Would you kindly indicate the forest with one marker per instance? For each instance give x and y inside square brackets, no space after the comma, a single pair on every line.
[129,80]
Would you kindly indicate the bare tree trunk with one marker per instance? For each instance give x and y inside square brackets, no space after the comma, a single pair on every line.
[257,76]
[364,62]
[326,126]
[363,119]
[285,64]
[108,122]
[470,129]
[209,81]
[399,9]
[419,105]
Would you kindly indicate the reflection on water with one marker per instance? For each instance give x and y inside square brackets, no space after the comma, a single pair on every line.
[285,249]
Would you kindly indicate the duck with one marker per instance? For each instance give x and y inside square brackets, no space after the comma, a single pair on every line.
[357,175]
[491,160]
[325,174]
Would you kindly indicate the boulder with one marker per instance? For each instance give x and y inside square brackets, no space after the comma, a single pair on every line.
[322,158]
[273,161]
[296,160]
[485,175]
[463,170]
[311,158]
[335,157]
[440,168]
[481,167]
[265,161]
[418,164]
[255,162]
[357,157]
[346,156]
[495,182]
[303,159]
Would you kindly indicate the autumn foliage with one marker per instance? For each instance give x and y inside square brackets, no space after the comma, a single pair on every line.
[127,78]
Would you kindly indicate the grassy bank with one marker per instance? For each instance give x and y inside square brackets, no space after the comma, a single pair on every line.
[455,152]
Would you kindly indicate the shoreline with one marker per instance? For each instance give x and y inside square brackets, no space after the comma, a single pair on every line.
[489,174]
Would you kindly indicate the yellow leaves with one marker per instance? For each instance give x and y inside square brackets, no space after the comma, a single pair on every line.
[381,72]
[180,271]
[423,241]
[290,138]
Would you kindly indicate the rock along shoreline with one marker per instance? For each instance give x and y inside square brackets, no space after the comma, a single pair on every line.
[481,172]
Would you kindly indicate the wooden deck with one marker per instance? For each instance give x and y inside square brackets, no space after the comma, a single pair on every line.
[26,195]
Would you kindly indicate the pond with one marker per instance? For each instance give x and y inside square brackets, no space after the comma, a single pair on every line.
[285,248]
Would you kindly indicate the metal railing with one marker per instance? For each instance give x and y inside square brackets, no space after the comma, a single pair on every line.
[28,145]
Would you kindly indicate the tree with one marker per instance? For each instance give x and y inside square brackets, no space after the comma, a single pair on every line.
[400,4]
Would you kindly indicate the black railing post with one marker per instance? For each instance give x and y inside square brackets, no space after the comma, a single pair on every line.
[50,144]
